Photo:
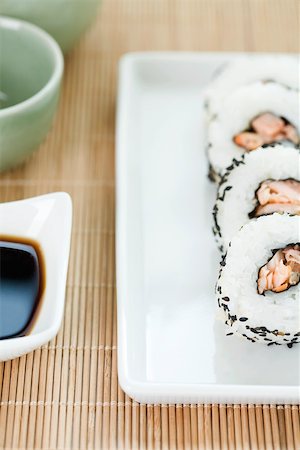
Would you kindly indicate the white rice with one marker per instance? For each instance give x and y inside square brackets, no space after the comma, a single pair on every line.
[249,69]
[236,113]
[269,318]
[236,193]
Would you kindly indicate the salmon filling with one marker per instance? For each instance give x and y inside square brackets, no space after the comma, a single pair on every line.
[281,271]
[266,128]
[282,196]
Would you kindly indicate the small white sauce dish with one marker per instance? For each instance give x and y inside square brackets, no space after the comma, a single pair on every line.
[47,220]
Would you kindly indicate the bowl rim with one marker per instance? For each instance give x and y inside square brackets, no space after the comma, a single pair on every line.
[53,47]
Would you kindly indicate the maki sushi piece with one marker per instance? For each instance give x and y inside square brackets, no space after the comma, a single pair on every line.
[247,70]
[259,183]
[258,288]
[255,115]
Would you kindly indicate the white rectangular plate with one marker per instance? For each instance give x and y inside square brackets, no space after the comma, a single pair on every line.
[171,348]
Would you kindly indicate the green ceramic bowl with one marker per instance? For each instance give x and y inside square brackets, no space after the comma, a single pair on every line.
[65,20]
[31,68]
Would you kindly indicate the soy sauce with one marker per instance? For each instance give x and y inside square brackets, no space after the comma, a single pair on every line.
[22,279]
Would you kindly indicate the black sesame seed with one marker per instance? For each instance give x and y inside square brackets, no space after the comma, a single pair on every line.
[222,197]
[237,162]
[216,225]
[243,319]
[229,334]
[226,299]
[223,262]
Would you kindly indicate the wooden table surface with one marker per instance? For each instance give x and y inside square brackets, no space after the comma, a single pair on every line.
[66,394]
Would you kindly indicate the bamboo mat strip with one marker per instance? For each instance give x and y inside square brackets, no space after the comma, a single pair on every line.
[66,395]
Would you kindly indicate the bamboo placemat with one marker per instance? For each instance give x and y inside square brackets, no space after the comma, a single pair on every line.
[66,394]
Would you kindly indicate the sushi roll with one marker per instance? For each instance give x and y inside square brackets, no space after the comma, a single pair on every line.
[258,286]
[259,183]
[254,115]
[250,69]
